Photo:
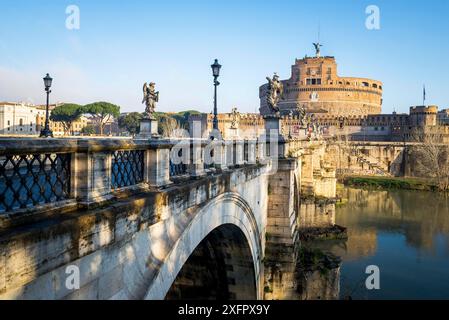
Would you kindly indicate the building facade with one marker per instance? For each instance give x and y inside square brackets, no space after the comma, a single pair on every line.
[315,85]
[17,119]
[26,119]
[58,127]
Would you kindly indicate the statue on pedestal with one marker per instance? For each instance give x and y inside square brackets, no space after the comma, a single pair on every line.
[150,97]
[274,93]
[149,124]
[301,111]
[234,120]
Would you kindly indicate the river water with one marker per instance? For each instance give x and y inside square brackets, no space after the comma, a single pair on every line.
[404,233]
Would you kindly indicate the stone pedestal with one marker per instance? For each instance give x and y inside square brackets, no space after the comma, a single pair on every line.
[232,133]
[148,128]
[272,123]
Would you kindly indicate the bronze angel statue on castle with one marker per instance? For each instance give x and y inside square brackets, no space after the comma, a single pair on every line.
[150,97]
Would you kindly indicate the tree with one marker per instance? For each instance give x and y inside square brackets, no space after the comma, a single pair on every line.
[102,112]
[130,122]
[88,130]
[169,126]
[67,114]
[431,154]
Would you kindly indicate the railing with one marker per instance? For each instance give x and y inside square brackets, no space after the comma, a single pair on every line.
[177,169]
[83,172]
[28,180]
[127,168]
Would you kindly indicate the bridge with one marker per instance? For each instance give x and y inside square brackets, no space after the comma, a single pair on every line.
[154,218]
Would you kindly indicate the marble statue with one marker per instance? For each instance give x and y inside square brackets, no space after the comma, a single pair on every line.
[275,90]
[150,98]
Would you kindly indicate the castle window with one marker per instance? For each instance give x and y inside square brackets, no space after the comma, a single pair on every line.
[365,84]
[374,85]
[21,123]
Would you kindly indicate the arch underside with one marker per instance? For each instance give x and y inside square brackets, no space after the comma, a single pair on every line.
[223,241]
[220,268]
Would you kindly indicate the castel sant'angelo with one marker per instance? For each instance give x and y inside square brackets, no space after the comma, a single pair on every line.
[348,105]
[315,85]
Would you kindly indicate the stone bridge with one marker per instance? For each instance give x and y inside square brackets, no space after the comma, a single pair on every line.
[151,219]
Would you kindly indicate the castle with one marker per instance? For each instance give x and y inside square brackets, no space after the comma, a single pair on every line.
[339,105]
[316,86]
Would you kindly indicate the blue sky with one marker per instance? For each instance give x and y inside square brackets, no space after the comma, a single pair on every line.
[121,44]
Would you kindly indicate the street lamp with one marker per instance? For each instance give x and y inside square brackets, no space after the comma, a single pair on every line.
[216,73]
[46,132]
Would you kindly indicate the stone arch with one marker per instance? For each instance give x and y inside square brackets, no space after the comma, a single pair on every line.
[220,268]
[226,209]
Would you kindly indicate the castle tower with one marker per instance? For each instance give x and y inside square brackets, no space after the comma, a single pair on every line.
[422,116]
[316,85]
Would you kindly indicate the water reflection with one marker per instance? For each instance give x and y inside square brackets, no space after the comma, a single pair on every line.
[405,233]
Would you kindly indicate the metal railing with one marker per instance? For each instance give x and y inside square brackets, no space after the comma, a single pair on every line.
[179,166]
[177,169]
[28,180]
[127,168]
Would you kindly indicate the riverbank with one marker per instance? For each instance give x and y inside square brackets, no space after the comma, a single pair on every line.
[389,183]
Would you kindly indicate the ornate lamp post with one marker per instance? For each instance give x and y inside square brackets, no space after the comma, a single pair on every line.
[216,73]
[46,132]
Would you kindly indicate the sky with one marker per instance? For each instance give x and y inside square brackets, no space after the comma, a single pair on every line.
[120,45]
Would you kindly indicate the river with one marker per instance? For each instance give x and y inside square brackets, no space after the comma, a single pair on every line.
[404,233]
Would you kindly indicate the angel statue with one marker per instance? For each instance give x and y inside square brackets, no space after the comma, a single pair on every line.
[318,48]
[301,111]
[274,93]
[150,97]
[234,120]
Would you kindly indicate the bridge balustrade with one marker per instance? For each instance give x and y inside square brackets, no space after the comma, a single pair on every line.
[45,175]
